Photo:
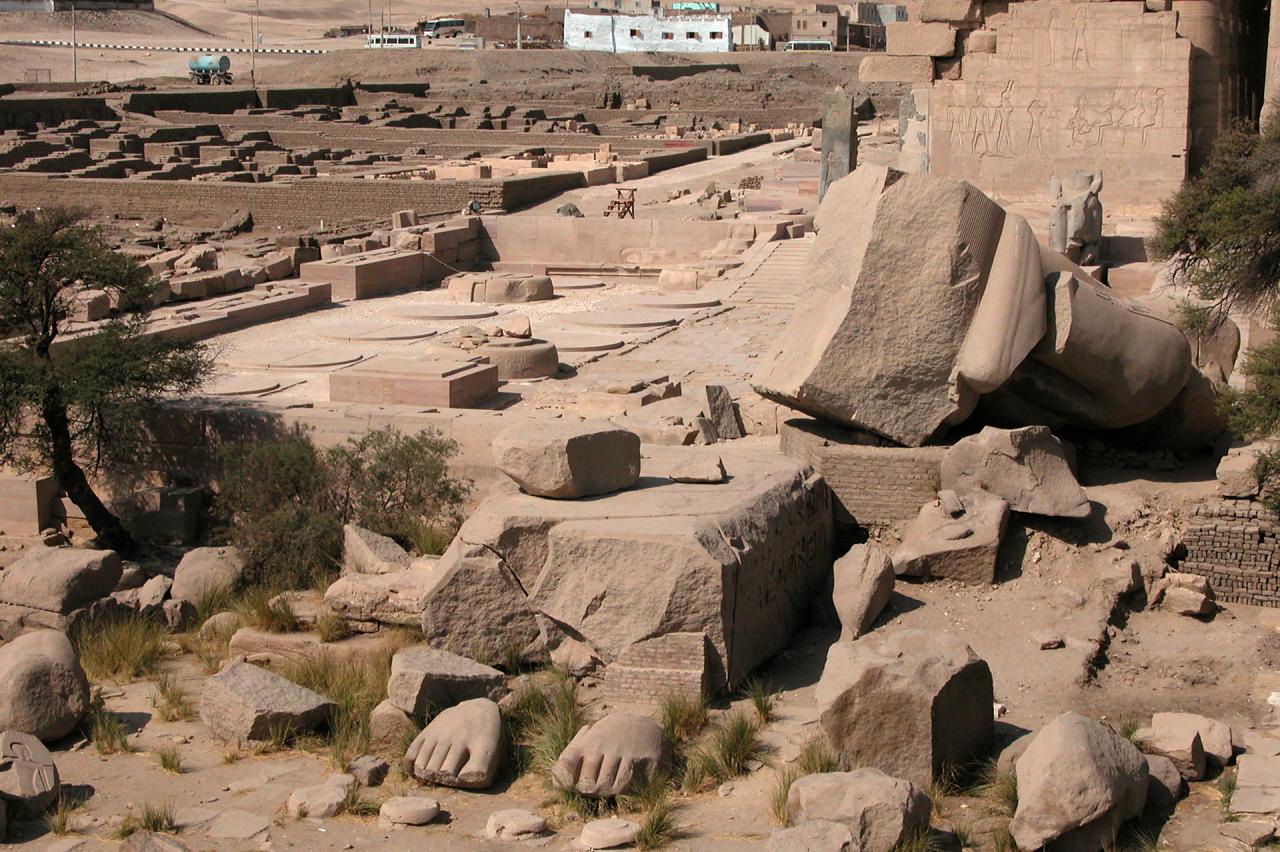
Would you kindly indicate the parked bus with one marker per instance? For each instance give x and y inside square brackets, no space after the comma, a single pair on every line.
[399,41]
[443,27]
[808,44]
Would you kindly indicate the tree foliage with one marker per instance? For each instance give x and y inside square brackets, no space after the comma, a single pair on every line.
[1221,230]
[284,502]
[72,399]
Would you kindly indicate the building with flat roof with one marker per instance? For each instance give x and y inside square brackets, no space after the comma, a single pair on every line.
[638,33]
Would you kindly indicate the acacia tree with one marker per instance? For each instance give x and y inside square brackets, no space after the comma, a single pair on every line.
[68,400]
[1221,234]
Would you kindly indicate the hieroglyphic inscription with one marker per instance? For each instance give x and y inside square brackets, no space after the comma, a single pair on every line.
[1102,86]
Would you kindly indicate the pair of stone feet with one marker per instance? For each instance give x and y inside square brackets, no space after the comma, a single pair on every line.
[462,747]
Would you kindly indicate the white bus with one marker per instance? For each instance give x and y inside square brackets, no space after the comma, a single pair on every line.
[808,44]
[397,41]
[443,27]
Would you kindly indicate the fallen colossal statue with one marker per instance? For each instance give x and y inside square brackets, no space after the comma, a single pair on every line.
[930,302]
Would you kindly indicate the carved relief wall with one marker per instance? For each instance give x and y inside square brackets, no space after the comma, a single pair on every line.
[1069,86]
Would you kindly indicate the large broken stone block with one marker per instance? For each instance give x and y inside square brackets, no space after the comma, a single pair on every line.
[738,561]
[365,552]
[569,459]
[425,679]
[909,38]
[911,247]
[243,702]
[1026,467]
[909,703]
[863,587]
[398,597]
[205,569]
[474,605]
[43,689]
[957,538]
[60,579]
[930,302]
[879,810]
[1078,781]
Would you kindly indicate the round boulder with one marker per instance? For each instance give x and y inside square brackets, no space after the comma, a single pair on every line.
[43,689]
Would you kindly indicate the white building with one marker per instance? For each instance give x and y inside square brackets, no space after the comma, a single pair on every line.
[626,33]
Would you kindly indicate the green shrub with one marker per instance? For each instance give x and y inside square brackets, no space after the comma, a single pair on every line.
[283,502]
[397,485]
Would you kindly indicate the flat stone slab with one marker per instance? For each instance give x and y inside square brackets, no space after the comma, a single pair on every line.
[431,311]
[574,341]
[622,319]
[296,357]
[371,332]
[562,283]
[669,301]
[241,385]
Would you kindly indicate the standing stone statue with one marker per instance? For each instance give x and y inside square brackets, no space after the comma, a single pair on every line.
[839,139]
[1075,222]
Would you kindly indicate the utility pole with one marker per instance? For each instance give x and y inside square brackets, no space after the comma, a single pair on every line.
[253,45]
[368,30]
[519,40]
[75,57]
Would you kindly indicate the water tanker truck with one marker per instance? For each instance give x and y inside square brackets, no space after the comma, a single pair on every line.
[210,70]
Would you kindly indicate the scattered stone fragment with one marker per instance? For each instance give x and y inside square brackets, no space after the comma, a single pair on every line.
[1254,834]
[696,467]
[28,775]
[1215,736]
[220,623]
[817,835]
[879,810]
[409,810]
[1047,640]
[1078,781]
[608,833]
[370,770]
[1166,786]
[365,552]
[1026,467]
[1257,785]
[569,459]
[939,545]
[1236,476]
[1184,594]
[720,411]
[604,759]
[425,678]
[514,824]
[60,579]
[908,703]
[388,724]
[205,569]
[243,702]
[317,802]
[460,747]
[1177,738]
[863,587]
[43,689]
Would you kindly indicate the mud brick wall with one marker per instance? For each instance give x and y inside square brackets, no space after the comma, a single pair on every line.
[667,665]
[300,204]
[26,112]
[1234,544]
[871,484]
[209,103]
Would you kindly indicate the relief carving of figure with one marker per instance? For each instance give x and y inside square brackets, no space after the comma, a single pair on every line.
[1075,219]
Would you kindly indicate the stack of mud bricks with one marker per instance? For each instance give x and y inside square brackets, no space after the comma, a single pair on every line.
[919,51]
[873,485]
[674,664]
[1233,544]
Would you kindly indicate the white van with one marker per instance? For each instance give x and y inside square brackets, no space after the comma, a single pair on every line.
[400,41]
[808,44]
